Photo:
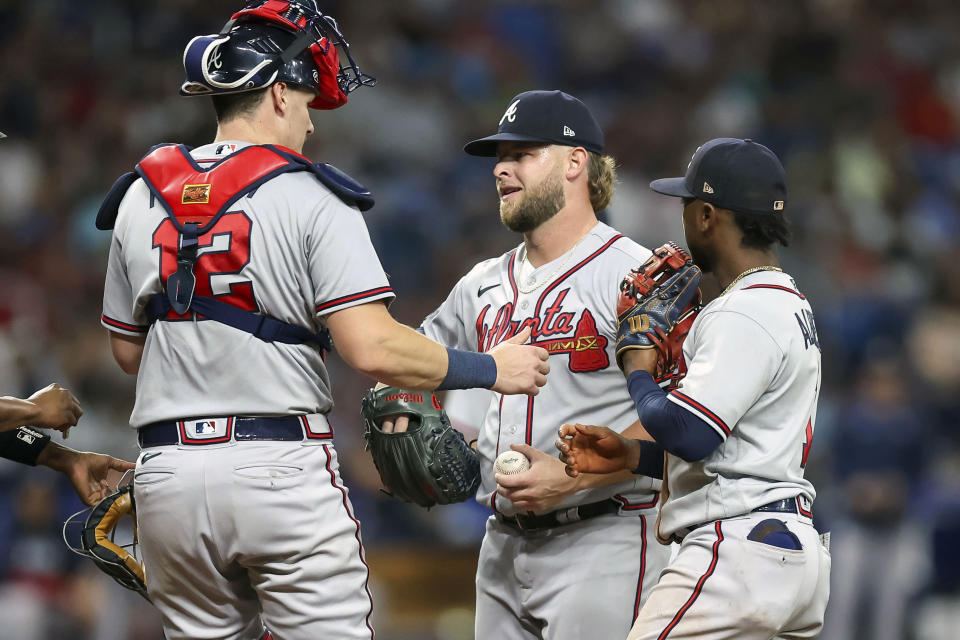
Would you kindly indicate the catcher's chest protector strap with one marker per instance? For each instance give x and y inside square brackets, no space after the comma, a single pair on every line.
[194,198]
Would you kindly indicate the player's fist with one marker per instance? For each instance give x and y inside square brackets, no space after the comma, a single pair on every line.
[55,408]
[588,449]
[520,368]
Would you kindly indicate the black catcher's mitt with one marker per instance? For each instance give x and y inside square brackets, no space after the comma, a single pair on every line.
[97,539]
[430,463]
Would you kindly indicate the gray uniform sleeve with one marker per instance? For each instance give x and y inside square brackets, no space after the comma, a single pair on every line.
[446,324]
[344,268]
[734,361]
[118,299]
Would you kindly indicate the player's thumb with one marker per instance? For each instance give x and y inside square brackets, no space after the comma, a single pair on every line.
[526,450]
[521,337]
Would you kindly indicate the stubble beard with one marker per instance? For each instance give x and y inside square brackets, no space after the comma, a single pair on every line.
[534,207]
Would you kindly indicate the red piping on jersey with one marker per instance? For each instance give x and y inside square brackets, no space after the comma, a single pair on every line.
[702,409]
[512,278]
[123,325]
[627,506]
[513,287]
[643,566]
[529,437]
[699,588]
[369,293]
[572,270]
[346,505]
[776,286]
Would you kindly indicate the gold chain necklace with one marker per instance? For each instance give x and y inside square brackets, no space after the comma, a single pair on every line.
[748,272]
[555,271]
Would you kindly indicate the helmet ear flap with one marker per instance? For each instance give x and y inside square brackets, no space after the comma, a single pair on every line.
[192,63]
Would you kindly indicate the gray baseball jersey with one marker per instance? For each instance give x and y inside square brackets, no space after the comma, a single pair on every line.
[764,407]
[290,249]
[570,305]
[530,580]
[292,557]
[753,374]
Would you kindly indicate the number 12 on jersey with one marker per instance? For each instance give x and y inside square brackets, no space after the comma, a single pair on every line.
[225,250]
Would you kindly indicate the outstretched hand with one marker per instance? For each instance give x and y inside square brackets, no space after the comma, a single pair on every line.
[539,488]
[93,475]
[589,449]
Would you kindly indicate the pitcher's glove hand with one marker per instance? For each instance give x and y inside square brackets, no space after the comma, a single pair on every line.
[430,463]
[658,303]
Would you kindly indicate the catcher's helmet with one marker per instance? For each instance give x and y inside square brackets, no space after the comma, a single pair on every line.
[272,41]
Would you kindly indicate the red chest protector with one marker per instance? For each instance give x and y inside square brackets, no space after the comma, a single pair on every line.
[194,199]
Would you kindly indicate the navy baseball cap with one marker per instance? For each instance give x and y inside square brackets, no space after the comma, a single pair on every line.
[552,117]
[730,173]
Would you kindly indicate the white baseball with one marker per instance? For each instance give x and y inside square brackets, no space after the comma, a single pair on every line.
[510,462]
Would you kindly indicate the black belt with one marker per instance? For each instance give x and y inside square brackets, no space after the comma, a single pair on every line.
[278,428]
[527,523]
[787,505]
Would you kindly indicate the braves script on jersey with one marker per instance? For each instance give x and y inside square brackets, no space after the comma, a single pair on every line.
[291,249]
[764,406]
[569,304]
[573,316]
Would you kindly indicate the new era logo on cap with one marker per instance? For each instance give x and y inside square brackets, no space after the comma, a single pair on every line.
[707,188]
[778,205]
[567,131]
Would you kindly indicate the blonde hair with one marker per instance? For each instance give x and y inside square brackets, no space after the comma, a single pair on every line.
[601,175]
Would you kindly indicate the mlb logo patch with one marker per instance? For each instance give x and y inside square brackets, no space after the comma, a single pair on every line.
[195,194]
[205,430]
[205,426]
[28,435]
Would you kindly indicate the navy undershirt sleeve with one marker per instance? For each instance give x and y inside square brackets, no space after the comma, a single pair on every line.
[677,430]
[651,460]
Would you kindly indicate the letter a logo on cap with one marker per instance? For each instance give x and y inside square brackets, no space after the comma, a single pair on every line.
[510,114]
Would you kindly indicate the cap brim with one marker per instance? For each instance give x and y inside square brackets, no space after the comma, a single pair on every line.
[672,187]
[487,147]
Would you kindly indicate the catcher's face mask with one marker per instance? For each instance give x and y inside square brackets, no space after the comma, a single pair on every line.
[99,528]
[275,41]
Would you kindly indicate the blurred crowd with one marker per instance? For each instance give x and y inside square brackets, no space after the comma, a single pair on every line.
[860,99]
